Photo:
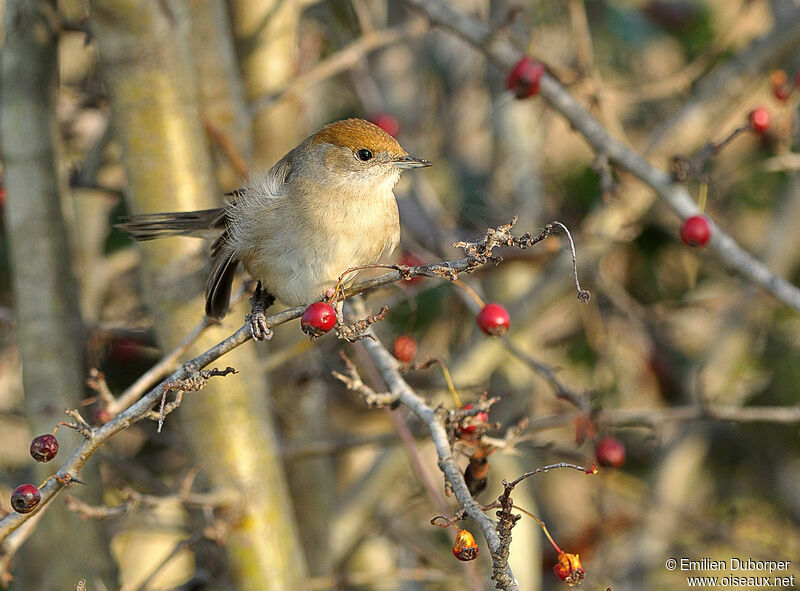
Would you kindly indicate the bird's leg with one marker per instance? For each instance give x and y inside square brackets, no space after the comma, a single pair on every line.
[257,317]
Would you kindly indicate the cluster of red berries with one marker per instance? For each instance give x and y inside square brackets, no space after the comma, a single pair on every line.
[26,497]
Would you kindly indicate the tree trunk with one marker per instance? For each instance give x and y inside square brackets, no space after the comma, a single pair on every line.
[146,63]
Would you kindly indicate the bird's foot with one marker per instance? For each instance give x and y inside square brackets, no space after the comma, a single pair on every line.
[257,318]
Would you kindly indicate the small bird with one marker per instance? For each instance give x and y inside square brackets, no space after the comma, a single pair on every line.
[326,206]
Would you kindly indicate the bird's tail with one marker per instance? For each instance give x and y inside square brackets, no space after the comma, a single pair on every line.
[179,223]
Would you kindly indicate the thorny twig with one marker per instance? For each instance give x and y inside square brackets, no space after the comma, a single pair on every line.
[80,425]
[356,331]
[480,252]
[196,381]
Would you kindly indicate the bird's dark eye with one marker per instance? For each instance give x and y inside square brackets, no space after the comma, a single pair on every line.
[364,155]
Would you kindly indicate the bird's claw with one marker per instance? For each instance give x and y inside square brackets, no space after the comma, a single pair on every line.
[258,326]
[257,318]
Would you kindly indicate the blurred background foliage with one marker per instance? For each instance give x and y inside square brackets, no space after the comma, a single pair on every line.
[667,326]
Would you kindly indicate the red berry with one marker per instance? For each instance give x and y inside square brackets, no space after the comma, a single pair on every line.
[411,260]
[44,447]
[524,77]
[318,319]
[2,195]
[781,93]
[610,451]
[405,348]
[25,498]
[464,546]
[468,425]
[100,416]
[696,231]
[387,123]
[494,320]
[126,350]
[759,120]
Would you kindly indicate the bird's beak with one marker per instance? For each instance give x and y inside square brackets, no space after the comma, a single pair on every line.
[410,162]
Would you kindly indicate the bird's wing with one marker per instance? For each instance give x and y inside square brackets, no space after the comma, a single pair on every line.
[220,279]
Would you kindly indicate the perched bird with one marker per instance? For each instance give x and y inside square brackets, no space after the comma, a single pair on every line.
[326,206]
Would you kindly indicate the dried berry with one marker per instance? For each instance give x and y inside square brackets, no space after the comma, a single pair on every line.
[464,547]
[25,498]
[44,447]
[569,568]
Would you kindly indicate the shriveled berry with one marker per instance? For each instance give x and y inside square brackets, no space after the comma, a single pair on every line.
[569,568]
[524,78]
[405,348]
[696,231]
[387,123]
[759,120]
[465,548]
[610,451]
[44,447]
[318,319]
[468,425]
[25,498]
[494,320]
